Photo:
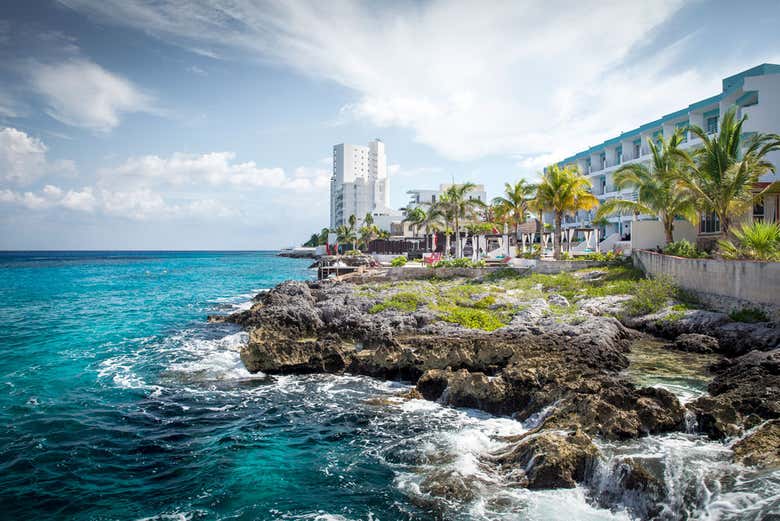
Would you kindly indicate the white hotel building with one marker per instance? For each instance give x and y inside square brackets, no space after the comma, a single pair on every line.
[755,92]
[359,185]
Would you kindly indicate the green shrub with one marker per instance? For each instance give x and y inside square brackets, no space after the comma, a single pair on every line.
[459,263]
[403,301]
[610,257]
[535,253]
[399,261]
[565,255]
[353,253]
[470,317]
[749,315]
[683,248]
[756,241]
[502,273]
[485,302]
[650,295]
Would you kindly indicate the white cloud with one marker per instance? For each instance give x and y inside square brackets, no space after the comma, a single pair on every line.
[215,169]
[23,158]
[79,92]
[536,79]
[194,69]
[140,205]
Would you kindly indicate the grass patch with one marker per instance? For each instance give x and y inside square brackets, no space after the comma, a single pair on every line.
[750,315]
[485,302]
[471,318]
[502,273]
[403,301]
[650,295]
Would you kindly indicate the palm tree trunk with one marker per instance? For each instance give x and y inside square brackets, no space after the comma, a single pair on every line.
[725,225]
[669,230]
[447,241]
[557,237]
[457,238]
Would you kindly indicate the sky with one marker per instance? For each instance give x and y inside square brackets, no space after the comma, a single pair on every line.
[173,124]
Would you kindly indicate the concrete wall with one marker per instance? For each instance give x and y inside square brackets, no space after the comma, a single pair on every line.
[551,267]
[725,285]
[647,235]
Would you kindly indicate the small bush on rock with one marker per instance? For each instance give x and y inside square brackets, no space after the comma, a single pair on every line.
[683,248]
[470,317]
[650,295]
[404,301]
[749,315]
[398,261]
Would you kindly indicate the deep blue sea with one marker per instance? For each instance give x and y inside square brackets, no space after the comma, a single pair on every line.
[121,402]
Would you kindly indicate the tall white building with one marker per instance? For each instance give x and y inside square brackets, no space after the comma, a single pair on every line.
[754,92]
[359,184]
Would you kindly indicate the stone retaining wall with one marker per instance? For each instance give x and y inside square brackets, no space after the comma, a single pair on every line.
[722,284]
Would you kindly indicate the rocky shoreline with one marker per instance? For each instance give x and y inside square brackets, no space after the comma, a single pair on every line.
[557,364]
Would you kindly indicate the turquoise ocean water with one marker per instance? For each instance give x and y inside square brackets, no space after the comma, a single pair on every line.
[119,401]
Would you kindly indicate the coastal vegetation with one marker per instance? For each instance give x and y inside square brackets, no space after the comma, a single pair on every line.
[755,241]
[399,261]
[683,248]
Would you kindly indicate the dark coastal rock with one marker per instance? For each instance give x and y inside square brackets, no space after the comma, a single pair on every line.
[734,338]
[465,389]
[615,409]
[744,392]
[522,369]
[449,484]
[760,448]
[634,483]
[611,305]
[550,459]
[275,354]
[558,300]
[696,343]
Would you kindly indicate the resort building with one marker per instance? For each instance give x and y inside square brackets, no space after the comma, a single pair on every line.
[423,197]
[359,184]
[755,92]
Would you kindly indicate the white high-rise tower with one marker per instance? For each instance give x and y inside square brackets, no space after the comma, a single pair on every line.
[359,184]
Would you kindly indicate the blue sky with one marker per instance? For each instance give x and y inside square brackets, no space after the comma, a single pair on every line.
[170,124]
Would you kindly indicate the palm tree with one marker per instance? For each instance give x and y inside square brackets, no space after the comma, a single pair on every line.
[443,212]
[513,207]
[432,223]
[757,241]
[563,191]
[659,190]
[346,232]
[722,175]
[461,207]
[323,237]
[368,233]
[415,217]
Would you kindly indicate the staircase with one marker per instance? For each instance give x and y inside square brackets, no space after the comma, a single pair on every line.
[609,242]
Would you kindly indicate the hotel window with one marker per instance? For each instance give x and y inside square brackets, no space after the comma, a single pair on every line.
[637,145]
[603,158]
[709,223]
[758,211]
[712,125]
[619,154]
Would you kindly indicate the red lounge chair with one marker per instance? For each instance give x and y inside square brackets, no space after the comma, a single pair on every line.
[433,258]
